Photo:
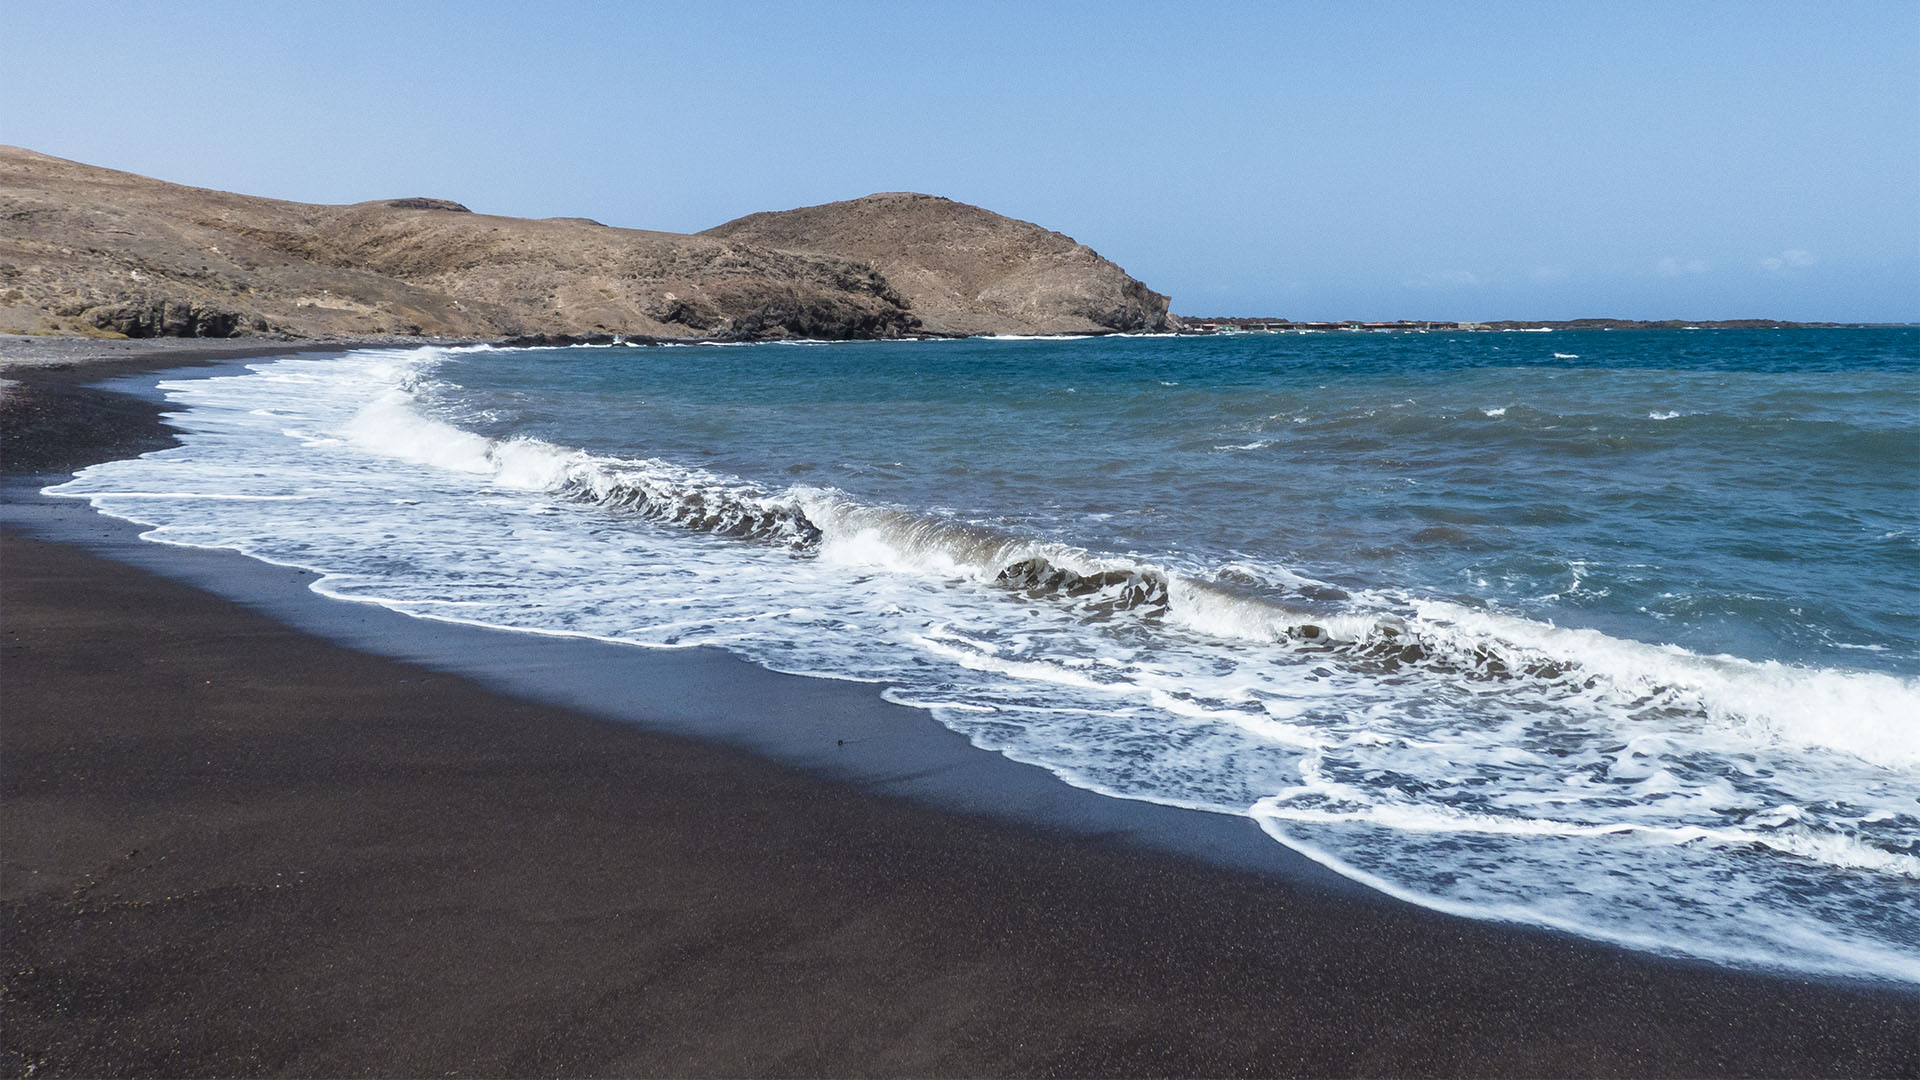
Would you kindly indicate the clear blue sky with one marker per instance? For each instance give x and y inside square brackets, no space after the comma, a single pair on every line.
[1336,160]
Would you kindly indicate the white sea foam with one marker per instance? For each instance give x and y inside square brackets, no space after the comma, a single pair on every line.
[206,495]
[1873,716]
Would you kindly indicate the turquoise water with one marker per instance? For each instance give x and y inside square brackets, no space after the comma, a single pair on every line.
[1617,632]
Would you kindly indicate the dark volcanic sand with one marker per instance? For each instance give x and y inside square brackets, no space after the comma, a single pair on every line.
[231,848]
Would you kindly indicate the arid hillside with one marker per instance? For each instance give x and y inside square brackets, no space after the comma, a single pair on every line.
[964,270]
[84,249]
[92,251]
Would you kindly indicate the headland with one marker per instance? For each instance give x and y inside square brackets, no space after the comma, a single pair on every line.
[88,251]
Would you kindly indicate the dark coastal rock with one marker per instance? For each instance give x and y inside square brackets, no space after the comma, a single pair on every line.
[167,318]
[428,204]
[560,341]
[794,317]
[686,313]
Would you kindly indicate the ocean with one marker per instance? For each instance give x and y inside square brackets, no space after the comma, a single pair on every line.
[1616,633]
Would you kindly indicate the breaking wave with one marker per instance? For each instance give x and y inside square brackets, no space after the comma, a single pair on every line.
[1374,636]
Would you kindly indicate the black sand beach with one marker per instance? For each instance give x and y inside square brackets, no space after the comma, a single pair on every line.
[233,847]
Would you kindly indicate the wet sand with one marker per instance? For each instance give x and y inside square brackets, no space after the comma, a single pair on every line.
[229,846]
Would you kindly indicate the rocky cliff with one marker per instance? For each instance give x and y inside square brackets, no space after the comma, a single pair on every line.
[85,250]
[964,270]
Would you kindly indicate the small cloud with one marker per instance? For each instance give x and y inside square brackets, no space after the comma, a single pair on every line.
[1790,259]
[1672,267]
[1548,275]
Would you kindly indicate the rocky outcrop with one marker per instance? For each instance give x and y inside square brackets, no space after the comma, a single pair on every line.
[965,270]
[168,318]
[85,250]
[428,204]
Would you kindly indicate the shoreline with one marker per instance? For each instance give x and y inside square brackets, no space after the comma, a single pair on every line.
[846,919]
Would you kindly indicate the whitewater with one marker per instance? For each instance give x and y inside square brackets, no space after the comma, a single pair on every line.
[1617,634]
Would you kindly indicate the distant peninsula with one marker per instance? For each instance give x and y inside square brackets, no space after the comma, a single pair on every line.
[87,251]
[1244,324]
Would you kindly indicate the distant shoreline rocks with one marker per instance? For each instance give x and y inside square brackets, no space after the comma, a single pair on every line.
[1245,324]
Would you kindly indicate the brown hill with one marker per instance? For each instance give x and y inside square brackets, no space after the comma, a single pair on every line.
[85,250]
[964,270]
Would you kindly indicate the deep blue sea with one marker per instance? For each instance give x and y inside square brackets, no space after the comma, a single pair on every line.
[1613,632]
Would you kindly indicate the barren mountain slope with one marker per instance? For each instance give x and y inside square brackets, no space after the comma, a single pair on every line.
[965,270]
[84,249]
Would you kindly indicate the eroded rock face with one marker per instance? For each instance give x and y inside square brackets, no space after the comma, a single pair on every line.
[169,318]
[84,249]
[428,204]
[965,270]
